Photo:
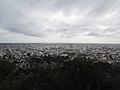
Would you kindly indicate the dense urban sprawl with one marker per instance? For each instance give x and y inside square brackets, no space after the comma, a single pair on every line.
[21,53]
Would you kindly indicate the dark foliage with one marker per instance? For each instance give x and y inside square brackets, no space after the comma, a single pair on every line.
[66,75]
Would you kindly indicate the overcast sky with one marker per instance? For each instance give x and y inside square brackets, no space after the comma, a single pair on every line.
[68,21]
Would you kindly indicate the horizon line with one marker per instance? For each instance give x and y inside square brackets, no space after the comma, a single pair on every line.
[51,43]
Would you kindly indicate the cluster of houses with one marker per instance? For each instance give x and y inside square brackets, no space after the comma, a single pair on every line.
[21,53]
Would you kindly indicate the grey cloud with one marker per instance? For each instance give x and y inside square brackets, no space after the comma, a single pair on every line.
[14,17]
[103,6]
[93,34]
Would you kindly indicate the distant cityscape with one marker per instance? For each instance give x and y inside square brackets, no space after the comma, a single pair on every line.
[60,66]
[21,53]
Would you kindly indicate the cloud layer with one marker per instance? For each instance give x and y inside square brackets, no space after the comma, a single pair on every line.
[60,20]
